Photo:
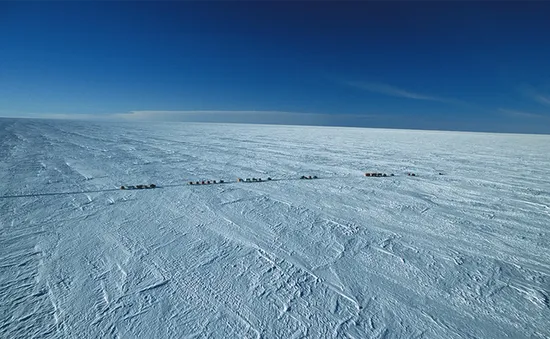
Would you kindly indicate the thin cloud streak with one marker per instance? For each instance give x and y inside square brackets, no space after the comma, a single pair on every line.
[536,96]
[396,92]
[545,100]
[521,114]
[254,117]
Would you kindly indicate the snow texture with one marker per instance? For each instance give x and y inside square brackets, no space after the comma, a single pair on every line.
[465,254]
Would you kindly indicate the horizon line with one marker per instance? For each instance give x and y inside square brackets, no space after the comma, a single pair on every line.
[280,124]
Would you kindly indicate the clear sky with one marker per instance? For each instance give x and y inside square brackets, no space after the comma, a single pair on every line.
[481,66]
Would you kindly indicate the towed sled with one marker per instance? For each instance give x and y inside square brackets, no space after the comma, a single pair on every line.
[138,187]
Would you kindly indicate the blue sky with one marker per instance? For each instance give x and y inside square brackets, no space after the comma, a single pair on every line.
[481,66]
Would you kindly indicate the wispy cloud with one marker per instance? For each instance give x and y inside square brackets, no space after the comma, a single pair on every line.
[543,99]
[536,95]
[521,114]
[396,92]
[255,117]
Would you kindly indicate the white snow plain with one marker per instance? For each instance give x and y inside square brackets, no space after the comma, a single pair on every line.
[465,254]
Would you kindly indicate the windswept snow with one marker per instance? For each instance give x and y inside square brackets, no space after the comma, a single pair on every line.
[460,255]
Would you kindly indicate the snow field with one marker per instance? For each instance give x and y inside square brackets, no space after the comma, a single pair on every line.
[461,255]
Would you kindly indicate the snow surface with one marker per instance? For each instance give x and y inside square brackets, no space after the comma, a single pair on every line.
[460,255]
